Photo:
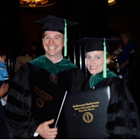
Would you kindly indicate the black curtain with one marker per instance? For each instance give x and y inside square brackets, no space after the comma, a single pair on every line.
[9,27]
[92,16]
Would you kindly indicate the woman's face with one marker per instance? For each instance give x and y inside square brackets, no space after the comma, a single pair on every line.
[94,62]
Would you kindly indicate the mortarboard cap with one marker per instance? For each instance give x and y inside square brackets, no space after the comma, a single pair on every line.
[98,44]
[52,23]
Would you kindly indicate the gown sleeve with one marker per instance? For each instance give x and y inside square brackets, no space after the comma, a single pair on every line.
[123,118]
[77,81]
[18,108]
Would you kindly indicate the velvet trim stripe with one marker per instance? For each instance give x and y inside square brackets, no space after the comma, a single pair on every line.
[124,105]
[122,122]
[16,117]
[19,104]
[20,89]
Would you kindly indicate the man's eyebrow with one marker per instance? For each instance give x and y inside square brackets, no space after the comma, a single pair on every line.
[46,35]
[57,36]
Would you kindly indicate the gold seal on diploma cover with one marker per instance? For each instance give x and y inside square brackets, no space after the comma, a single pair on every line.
[39,102]
[88,117]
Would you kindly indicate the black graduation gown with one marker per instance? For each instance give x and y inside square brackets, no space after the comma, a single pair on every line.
[123,119]
[18,110]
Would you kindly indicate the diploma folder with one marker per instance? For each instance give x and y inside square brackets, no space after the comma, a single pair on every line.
[86,114]
[47,100]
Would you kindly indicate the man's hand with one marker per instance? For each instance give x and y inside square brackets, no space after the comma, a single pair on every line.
[45,131]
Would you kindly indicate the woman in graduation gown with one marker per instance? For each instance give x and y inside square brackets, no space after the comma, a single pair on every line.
[50,67]
[123,119]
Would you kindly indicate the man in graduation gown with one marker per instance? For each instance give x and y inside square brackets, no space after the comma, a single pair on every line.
[51,66]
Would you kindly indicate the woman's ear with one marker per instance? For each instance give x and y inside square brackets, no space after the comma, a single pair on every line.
[42,40]
[108,60]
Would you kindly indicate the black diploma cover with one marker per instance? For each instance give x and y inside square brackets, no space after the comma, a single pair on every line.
[47,100]
[86,114]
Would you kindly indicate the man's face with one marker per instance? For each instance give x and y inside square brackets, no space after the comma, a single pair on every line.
[53,43]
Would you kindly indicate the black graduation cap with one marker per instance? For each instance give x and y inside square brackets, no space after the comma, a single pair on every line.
[52,23]
[98,44]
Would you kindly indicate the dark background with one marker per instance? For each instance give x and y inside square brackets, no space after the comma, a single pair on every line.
[95,18]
